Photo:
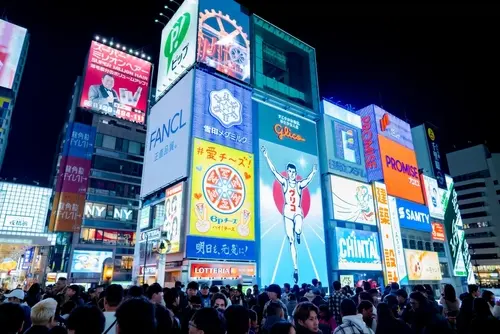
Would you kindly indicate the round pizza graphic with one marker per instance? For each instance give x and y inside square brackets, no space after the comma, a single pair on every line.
[223,189]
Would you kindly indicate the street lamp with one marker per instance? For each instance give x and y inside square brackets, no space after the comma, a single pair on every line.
[166,7]
[159,22]
[178,4]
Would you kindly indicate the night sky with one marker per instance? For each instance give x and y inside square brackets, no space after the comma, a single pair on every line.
[441,67]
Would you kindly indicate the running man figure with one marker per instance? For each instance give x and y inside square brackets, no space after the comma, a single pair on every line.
[293,216]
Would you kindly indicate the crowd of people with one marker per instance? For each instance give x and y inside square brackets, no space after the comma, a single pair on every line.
[152,309]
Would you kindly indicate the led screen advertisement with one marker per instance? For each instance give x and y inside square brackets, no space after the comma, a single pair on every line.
[167,139]
[89,261]
[222,112]
[432,197]
[116,83]
[371,147]
[357,250]
[393,128]
[435,155]
[224,38]
[178,45]
[220,249]
[173,216]
[400,171]
[413,216]
[291,214]
[423,265]
[11,45]
[352,201]
[222,192]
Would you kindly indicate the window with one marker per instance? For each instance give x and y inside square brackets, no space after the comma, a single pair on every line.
[470,196]
[98,139]
[474,215]
[439,248]
[483,256]
[445,271]
[420,245]
[470,186]
[482,245]
[116,166]
[107,237]
[134,147]
[109,142]
[472,205]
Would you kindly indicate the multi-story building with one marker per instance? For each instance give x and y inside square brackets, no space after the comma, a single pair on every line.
[476,173]
[14,41]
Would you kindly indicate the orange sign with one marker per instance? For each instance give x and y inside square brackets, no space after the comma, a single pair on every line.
[219,270]
[68,213]
[438,232]
[400,168]
[285,131]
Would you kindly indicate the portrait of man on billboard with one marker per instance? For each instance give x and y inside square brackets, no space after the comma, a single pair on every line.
[104,94]
[293,216]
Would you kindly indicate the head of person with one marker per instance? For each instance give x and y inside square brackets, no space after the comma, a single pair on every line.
[11,318]
[418,301]
[420,288]
[449,293]
[44,312]
[135,315]
[194,302]
[135,291]
[394,286]
[108,81]
[99,289]
[262,299]
[219,301]
[179,285]
[337,286]
[206,321]
[286,287]
[254,320]
[155,293]
[402,296]
[315,282]
[306,315]
[86,319]
[275,309]
[291,170]
[384,314]
[481,308]
[364,296]
[393,303]
[358,290]
[365,308]
[489,297]
[366,286]
[73,290]
[474,290]
[282,328]
[347,308]
[429,290]
[274,291]
[204,290]
[113,297]
[324,312]
[16,296]
[171,298]
[34,289]
[255,288]
[292,296]
[236,320]
[192,289]
[61,283]
[374,294]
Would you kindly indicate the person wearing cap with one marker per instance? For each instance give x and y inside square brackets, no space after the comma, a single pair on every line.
[205,295]
[274,294]
[17,297]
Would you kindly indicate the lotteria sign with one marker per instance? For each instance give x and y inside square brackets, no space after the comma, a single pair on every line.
[413,216]
[400,168]
[370,144]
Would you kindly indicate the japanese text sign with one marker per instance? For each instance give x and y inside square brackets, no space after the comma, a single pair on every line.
[437,168]
[69,211]
[370,144]
[79,140]
[423,265]
[174,209]
[73,175]
[222,192]
[116,83]
[438,232]
[222,112]
[219,249]
[398,241]
[221,270]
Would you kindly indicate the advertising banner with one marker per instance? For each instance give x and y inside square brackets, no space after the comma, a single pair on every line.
[393,128]
[398,242]
[79,142]
[219,249]
[69,211]
[116,83]
[224,38]
[370,144]
[220,270]
[222,192]
[11,41]
[400,171]
[423,265]
[173,216]
[222,112]
[413,216]
[432,198]
[352,201]
[89,261]
[74,174]
[167,139]
[357,250]
[291,211]
[437,168]
[341,114]
[145,219]
[386,236]
[178,45]
[438,232]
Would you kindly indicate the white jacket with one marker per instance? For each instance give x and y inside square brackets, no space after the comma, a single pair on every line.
[353,324]
[495,310]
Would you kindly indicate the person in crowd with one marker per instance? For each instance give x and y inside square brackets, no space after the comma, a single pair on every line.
[483,321]
[135,292]
[387,323]
[219,302]
[352,323]
[348,291]
[366,296]
[426,318]
[274,294]
[394,288]
[237,298]
[405,312]
[34,295]
[172,302]
[255,290]
[135,315]
[73,294]
[387,291]
[392,302]
[17,296]
[11,318]
[375,294]
[309,294]
[285,293]
[355,298]
[86,319]
[164,319]
[206,321]
[366,286]
[66,310]
[292,303]
[450,302]
[335,299]
[237,320]
[254,322]
[93,297]
[318,299]
[205,295]
[306,319]
[192,289]
[494,306]
[194,304]
[155,294]
[275,314]
[43,316]
[59,290]
[113,298]
[262,300]
[282,328]
[365,308]
[466,312]
[327,322]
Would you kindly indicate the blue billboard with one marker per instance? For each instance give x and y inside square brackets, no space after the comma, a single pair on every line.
[413,216]
[79,141]
[222,112]
[357,250]
[292,242]
[371,147]
[219,249]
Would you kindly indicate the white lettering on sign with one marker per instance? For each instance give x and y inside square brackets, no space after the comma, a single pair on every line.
[201,270]
[409,214]
[18,222]
[122,214]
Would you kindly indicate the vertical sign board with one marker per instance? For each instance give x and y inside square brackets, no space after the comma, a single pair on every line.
[291,213]
[174,209]
[370,144]
[432,197]
[437,168]
[386,235]
[398,242]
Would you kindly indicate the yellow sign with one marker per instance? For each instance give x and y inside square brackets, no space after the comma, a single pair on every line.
[222,192]
[422,265]
[431,134]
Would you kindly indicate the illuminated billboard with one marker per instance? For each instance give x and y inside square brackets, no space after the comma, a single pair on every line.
[400,171]
[178,45]
[222,112]
[436,161]
[438,232]
[423,265]
[291,213]
[144,221]
[352,201]
[11,45]
[224,38]
[220,270]
[116,83]
[89,261]
[222,192]
[371,147]
[413,216]
[432,197]
[173,225]
[220,249]
[357,250]
[393,128]
[23,208]
[167,139]
[398,241]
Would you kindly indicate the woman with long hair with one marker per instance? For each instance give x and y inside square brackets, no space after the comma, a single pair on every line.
[450,302]
[388,323]
[482,321]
